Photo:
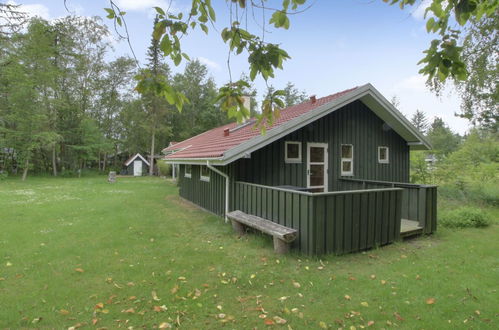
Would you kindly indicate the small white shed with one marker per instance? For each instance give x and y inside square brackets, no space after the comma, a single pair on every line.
[137,165]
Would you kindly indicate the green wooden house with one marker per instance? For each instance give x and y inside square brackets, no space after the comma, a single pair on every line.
[335,168]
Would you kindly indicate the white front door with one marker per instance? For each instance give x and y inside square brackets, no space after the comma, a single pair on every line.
[137,168]
[317,167]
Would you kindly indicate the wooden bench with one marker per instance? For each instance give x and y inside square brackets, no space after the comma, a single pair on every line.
[282,235]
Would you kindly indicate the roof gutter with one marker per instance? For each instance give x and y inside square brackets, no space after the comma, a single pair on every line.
[226,186]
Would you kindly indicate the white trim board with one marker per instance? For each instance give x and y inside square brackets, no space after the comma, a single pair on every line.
[371,97]
[134,157]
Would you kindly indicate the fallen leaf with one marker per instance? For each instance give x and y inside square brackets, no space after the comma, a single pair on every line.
[8,264]
[130,284]
[296,285]
[430,301]
[351,278]
[155,296]
[64,312]
[347,297]
[79,270]
[365,304]
[283,298]
[99,306]
[373,277]
[262,316]
[269,322]
[477,312]
[418,277]
[219,307]
[252,276]
[221,316]
[181,278]
[36,320]
[174,289]
[165,325]
[129,311]
[94,321]
[397,316]
[370,323]
[105,311]
[383,282]
[132,298]
[322,325]
[160,308]
[279,320]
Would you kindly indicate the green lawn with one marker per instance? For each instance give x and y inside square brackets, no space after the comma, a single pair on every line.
[132,254]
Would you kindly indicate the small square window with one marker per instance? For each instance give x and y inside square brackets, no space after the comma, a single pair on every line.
[205,173]
[383,155]
[347,160]
[292,152]
[188,171]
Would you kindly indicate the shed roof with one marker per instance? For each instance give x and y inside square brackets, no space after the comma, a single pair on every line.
[131,159]
[218,148]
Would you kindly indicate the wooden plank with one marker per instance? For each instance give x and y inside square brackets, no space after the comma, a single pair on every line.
[390,220]
[398,214]
[356,222]
[330,223]
[303,222]
[364,224]
[289,210]
[384,220]
[347,237]
[320,219]
[263,225]
[339,218]
[379,218]
[371,219]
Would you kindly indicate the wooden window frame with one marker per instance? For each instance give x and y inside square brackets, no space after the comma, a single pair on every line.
[384,161]
[288,160]
[204,177]
[188,175]
[343,173]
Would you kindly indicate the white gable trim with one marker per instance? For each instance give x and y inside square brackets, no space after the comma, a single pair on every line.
[366,93]
[134,157]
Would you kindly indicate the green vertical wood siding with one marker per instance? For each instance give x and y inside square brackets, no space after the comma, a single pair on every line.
[209,195]
[354,124]
[419,202]
[330,222]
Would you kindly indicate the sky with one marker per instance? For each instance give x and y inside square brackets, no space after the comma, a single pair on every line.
[334,45]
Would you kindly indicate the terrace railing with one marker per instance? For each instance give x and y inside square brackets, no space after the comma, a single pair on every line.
[331,222]
[419,202]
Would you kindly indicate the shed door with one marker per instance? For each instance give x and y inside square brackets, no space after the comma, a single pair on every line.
[137,167]
[317,166]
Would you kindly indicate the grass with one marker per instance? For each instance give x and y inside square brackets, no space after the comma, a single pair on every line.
[132,254]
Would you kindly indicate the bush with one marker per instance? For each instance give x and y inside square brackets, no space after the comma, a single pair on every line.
[487,193]
[465,217]
[164,168]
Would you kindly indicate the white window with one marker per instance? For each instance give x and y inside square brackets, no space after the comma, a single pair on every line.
[188,171]
[292,152]
[383,155]
[347,160]
[205,173]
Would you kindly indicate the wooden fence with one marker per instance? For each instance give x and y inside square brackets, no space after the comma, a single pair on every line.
[331,222]
[419,202]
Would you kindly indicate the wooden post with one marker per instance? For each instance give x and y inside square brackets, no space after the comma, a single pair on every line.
[238,228]
[280,246]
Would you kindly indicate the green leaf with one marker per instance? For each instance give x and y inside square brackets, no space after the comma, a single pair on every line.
[160,11]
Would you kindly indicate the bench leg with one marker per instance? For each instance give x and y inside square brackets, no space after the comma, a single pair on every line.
[280,246]
[238,228]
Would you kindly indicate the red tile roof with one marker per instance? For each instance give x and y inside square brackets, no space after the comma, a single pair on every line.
[213,143]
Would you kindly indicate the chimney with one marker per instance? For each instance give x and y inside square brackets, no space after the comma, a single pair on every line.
[226,132]
[313,99]
[247,104]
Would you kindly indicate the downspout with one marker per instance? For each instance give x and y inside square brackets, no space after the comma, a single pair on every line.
[226,186]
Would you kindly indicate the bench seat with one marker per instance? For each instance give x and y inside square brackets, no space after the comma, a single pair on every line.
[282,235]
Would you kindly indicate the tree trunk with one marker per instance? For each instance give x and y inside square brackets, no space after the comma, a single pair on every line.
[54,160]
[25,171]
[105,162]
[151,161]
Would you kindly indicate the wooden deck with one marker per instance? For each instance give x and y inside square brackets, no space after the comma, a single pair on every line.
[410,228]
